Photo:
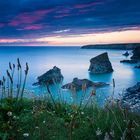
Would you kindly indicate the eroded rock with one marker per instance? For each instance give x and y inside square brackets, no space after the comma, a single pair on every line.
[129,61]
[51,77]
[131,98]
[100,64]
[79,84]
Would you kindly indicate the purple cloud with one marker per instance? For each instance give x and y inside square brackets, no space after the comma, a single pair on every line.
[27,18]
[32,27]
[87,5]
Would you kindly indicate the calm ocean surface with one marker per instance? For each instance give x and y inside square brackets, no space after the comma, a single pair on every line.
[73,62]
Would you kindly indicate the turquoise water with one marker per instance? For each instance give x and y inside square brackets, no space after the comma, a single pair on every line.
[73,62]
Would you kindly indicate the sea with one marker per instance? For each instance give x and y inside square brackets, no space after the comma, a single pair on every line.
[73,62]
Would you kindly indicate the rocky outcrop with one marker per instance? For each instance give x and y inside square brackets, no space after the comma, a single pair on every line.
[131,98]
[138,67]
[136,53]
[51,77]
[79,84]
[129,61]
[126,54]
[100,64]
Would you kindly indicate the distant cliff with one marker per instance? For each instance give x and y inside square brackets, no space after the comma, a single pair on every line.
[123,46]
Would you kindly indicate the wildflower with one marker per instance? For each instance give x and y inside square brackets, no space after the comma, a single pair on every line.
[82,113]
[84,86]
[113,82]
[19,65]
[106,136]
[10,66]
[9,113]
[27,69]
[112,133]
[8,74]
[26,134]
[44,121]
[93,92]
[13,65]
[14,117]
[98,132]
[37,127]
[69,114]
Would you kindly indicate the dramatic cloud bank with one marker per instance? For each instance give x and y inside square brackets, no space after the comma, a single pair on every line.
[26,22]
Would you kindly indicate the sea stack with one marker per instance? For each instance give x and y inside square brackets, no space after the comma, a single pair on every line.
[79,84]
[51,77]
[100,64]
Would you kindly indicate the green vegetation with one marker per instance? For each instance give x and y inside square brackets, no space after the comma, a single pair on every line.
[48,119]
[40,119]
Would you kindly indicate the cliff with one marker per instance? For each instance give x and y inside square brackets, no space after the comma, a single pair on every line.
[123,46]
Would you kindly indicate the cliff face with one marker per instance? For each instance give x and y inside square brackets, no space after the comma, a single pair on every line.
[125,46]
[100,64]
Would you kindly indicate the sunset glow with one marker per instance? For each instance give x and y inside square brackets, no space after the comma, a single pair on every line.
[68,23]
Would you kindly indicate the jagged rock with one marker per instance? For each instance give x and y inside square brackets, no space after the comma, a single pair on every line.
[100,64]
[131,98]
[138,67]
[136,53]
[78,84]
[126,54]
[51,77]
[129,61]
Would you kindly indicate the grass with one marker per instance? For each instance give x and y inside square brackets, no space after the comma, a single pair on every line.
[48,119]
[40,119]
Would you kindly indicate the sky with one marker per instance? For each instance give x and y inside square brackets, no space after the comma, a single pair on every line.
[68,22]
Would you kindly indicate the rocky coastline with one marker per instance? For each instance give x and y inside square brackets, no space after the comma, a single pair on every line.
[98,65]
[131,98]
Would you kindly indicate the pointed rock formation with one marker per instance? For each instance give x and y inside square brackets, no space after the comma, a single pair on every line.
[52,76]
[100,64]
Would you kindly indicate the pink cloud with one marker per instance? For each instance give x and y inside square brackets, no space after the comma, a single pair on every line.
[27,18]
[32,27]
[87,5]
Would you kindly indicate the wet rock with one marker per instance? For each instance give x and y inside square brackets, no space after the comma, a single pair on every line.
[136,53]
[100,64]
[52,76]
[126,54]
[129,61]
[79,84]
[131,98]
[138,67]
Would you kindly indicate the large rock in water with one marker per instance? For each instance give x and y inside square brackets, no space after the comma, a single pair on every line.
[131,98]
[100,64]
[78,84]
[51,77]
[136,53]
